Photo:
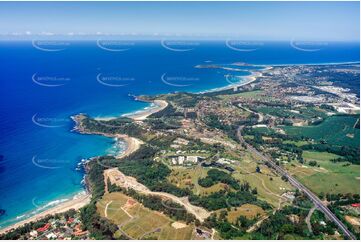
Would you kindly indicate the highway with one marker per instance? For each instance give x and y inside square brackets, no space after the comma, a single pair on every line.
[318,203]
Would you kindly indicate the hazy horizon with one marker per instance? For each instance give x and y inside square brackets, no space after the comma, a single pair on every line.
[266,21]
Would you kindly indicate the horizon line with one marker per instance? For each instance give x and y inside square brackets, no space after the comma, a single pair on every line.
[103,38]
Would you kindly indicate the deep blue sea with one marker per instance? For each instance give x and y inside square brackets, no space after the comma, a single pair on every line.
[43,84]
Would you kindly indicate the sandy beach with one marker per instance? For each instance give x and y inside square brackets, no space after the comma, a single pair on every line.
[80,200]
[76,203]
[133,144]
[143,114]
[251,78]
[247,80]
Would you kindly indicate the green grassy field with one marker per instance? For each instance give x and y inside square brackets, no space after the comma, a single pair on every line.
[275,111]
[139,222]
[264,130]
[337,130]
[250,211]
[329,177]
[188,178]
[269,186]
[297,143]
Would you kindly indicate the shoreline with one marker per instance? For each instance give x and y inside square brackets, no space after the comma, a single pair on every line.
[80,200]
[133,144]
[142,114]
[245,81]
[77,202]
[266,67]
[312,64]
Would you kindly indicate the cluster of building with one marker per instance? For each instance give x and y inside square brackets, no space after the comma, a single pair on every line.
[345,107]
[312,84]
[177,143]
[226,112]
[186,160]
[218,164]
[225,161]
[59,229]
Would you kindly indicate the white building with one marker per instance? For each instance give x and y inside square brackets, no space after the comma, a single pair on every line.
[51,236]
[181,160]
[193,159]
[225,161]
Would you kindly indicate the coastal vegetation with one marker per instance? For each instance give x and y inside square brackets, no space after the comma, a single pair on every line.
[197,148]
[99,227]
[153,175]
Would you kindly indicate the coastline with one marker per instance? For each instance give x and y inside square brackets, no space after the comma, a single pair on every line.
[312,64]
[142,114]
[80,200]
[245,81]
[76,203]
[266,67]
[132,144]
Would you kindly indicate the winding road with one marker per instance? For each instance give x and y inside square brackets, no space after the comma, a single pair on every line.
[308,219]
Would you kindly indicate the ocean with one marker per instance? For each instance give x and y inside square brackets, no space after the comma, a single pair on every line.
[44,83]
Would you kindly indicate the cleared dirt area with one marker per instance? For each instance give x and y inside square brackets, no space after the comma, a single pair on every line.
[137,222]
[250,211]
[117,177]
[354,221]
[178,225]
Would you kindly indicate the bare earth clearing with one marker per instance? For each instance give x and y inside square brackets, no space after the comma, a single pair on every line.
[117,177]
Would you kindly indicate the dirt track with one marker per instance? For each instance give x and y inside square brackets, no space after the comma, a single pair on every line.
[117,177]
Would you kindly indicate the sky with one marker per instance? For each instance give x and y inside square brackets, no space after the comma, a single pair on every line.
[331,21]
